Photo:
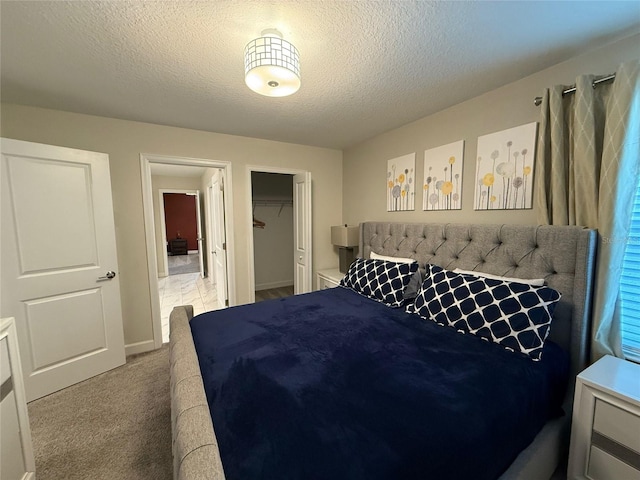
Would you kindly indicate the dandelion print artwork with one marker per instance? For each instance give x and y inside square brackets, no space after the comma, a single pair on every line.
[504,169]
[400,183]
[442,184]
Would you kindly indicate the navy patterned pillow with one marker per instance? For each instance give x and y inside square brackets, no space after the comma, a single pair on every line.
[514,315]
[380,280]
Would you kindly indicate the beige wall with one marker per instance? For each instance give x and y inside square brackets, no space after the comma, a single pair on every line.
[365,165]
[273,247]
[159,182]
[124,141]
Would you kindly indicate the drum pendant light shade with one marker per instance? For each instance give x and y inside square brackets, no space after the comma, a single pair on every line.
[272,65]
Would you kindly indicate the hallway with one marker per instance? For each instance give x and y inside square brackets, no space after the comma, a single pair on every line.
[185,289]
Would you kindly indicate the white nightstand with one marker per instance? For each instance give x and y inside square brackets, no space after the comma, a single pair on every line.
[605,434]
[16,451]
[329,278]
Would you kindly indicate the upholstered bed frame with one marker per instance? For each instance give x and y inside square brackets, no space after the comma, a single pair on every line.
[563,256]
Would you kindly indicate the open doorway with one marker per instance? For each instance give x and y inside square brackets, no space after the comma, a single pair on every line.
[289,209]
[182,226]
[178,225]
[272,203]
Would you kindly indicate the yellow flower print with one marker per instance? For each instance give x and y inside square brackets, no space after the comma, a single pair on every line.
[488,180]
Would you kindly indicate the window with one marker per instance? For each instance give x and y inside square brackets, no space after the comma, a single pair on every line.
[630,287]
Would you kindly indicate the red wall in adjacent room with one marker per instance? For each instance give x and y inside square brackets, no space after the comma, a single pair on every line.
[180,216]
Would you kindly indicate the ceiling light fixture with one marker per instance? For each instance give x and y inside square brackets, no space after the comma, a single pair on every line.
[272,65]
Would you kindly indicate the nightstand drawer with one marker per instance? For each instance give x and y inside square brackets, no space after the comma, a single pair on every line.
[329,278]
[617,424]
[324,283]
[603,466]
[605,431]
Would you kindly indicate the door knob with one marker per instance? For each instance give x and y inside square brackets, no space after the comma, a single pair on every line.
[109,275]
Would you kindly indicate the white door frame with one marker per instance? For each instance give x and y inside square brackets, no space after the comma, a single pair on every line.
[264,169]
[163,225]
[209,227]
[147,201]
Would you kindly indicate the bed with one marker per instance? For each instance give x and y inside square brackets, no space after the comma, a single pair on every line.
[332,368]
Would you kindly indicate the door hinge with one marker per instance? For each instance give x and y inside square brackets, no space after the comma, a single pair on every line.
[224,246]
[226,302]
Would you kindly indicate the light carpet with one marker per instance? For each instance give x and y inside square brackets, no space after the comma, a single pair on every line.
[113,426]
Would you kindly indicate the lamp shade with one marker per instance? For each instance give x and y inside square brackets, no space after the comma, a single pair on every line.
[272,65]
[345,236]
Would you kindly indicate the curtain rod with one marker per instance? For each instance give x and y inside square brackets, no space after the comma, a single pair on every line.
[538,100]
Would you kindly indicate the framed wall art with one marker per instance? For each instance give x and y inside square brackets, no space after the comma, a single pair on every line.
[442,185]
[401,183]
[504,169]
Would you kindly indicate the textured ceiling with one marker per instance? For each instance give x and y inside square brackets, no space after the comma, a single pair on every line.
[366,66]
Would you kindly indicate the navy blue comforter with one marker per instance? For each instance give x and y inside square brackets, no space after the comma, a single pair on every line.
[332,385]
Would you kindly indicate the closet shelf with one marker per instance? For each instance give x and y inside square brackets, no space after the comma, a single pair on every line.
[272,203]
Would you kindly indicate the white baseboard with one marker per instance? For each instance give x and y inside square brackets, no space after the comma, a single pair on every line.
[192,252]
[139,347]
[162,274]
[267,286]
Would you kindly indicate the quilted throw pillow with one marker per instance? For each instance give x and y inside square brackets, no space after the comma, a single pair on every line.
[380,280]
[514,315]
[414,284]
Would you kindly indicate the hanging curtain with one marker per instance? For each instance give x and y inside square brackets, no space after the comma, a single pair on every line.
[587,166]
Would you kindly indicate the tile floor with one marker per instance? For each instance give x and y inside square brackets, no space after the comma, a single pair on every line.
[179,264]
[185,289]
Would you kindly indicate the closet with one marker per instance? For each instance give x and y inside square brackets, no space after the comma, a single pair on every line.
[272,204]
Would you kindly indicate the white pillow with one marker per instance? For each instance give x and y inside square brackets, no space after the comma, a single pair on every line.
[534,282]
[375,256]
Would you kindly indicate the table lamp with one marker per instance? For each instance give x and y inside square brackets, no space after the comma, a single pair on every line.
[345,238]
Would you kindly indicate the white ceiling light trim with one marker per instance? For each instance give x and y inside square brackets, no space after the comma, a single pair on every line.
[272,65]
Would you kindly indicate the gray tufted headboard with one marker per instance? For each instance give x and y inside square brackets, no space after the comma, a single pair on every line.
[563,255]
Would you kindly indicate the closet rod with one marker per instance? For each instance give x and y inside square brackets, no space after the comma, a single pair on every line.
[607,78]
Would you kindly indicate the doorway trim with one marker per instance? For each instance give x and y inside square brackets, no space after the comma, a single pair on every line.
[146,160]
[264,169]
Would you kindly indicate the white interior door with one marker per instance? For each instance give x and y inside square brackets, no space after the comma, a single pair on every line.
[219,238]
[199,230]
[59,265]
[303,280]
[210,233]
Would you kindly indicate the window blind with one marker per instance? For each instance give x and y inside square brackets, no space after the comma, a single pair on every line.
[630,287]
